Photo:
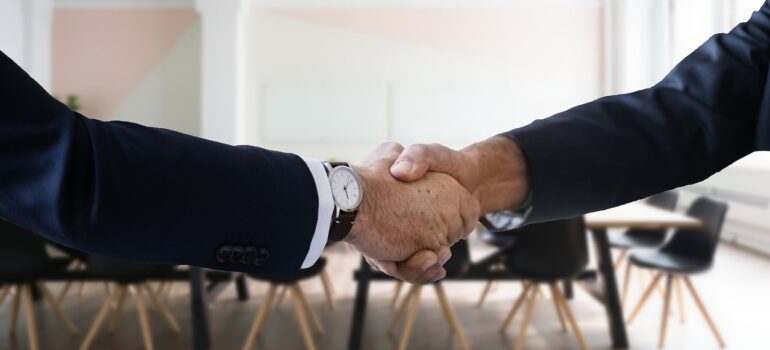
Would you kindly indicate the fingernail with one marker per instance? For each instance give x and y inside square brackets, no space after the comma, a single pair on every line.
[402,167]
[445,256]
[428,263]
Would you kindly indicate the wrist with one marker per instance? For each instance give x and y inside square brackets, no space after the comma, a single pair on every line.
[364,209]
[502,173]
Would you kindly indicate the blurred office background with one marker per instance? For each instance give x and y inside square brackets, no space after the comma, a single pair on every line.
[331,79]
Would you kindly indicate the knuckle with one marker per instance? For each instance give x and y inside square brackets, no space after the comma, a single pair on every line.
[392,146]
[418,149]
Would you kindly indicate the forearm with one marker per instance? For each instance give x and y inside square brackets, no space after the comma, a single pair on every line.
[503,181]
[142,194]
[699,119]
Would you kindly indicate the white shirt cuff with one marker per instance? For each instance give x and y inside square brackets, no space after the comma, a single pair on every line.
[325,209]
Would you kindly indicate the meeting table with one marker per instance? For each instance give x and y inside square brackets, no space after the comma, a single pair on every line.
[600,283]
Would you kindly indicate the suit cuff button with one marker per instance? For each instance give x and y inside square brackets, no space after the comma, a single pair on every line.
[237,256]
[249,254]
[262,256]
[224,253]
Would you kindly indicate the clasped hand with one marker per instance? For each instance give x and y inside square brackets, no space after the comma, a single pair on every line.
[421,200]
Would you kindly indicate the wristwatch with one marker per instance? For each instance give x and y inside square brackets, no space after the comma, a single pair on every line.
[347,193]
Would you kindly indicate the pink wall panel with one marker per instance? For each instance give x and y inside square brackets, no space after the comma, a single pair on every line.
[103,54]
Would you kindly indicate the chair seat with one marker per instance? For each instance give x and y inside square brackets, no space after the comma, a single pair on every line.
[667,262]
[627,241]
[497,239]
[309,272]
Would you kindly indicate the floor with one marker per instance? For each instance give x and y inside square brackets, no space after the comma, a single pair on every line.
[736,292]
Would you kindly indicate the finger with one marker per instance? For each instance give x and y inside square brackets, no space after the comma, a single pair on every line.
[388,268]
[470,211]
[416,265]
[436,271]
[438,276]
[416,160]
[430,275]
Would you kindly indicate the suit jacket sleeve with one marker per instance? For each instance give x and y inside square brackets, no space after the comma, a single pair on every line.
[143,194]
[712,109]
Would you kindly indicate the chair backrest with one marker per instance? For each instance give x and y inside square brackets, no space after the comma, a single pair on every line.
[664,200]
[460,261]
[700,243]
[21,251]
[549,251]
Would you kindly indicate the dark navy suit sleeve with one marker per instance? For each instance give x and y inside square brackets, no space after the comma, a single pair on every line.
[143,194]
[709,111]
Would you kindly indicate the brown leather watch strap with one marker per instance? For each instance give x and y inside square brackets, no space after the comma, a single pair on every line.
[341,226]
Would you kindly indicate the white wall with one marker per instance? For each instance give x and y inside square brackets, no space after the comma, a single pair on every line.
[323,85]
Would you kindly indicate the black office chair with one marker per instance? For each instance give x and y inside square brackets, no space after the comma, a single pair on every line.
[301,305]
[24,263]
[689,251]
[546,253]
[129,278]
[456,267]
[641,238]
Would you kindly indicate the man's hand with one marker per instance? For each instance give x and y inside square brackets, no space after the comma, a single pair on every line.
[493,170]
[417,221]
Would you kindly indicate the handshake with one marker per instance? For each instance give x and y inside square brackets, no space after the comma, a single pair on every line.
[420,200]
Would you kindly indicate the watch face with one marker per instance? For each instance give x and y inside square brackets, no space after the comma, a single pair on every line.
[346,188]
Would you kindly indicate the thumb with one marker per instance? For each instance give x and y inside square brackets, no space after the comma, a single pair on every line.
[416,160]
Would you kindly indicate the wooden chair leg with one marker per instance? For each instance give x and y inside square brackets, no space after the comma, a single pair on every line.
[56,309]
[619,259]
[298,293]
[170,288]
[100,317]
[120,298]
[522,297]
[281,296]
[414,302]
[401,308]
[680,299]
[6,290]
[161,287]
[454,323]
[627,282]
[527,315]
[558,306]
[666,305]
[396,293]
[144,322]
[703,311]
[15,309]
[29,316]
[484,293]
[570,317]
[645,297]
[300,312]
[170,320]
[259,320]
[328,289]
[64,291]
